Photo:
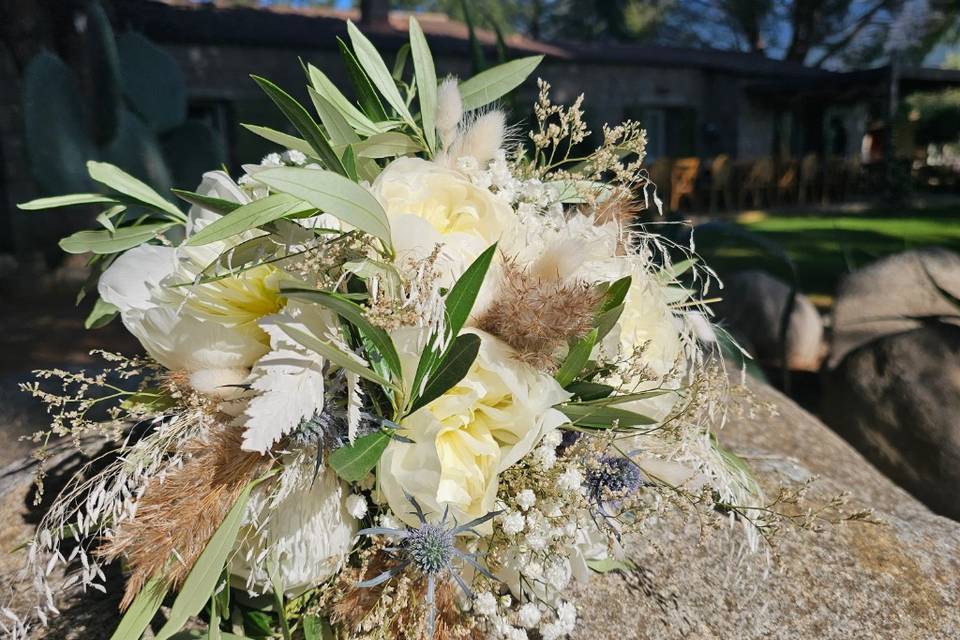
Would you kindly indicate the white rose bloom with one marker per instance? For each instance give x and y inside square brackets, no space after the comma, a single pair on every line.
[208,330]
[463,440]
[308,536]
[428,205]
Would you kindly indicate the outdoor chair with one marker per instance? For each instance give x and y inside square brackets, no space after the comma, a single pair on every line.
[809,178]
[788,180]
[758,184]
[721,182]
[683,182]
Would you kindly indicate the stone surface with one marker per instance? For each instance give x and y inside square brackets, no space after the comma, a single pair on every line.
[892,295]
[899,580]
[752,309]
[897,400]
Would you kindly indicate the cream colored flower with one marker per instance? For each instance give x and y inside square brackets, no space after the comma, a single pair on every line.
[208,330]
[463,440]
[430,205]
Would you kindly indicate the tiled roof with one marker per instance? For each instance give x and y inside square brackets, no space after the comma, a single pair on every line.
[188,21]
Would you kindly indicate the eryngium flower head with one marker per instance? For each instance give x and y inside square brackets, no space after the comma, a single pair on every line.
[430,548]
[612,478]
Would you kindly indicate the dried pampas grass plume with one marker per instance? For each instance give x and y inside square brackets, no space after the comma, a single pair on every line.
[537,312]
[620,208]
[449,111]
[179,513]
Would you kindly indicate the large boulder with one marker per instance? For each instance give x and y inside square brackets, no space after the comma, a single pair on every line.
[897,400]
[752,309]
[899,579]
[896,580]
[892,295]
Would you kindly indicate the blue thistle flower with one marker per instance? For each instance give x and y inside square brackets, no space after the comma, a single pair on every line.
[613,477]
[430,550]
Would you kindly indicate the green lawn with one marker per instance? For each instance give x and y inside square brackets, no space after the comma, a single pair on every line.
[823,247]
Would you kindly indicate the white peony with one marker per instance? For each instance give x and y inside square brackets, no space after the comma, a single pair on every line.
[429,205]
[206,330]
[463,440]
[308,536]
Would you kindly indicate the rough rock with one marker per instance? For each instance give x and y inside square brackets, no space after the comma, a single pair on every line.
[897,400]
[752,309]
[892,295]
[897,580]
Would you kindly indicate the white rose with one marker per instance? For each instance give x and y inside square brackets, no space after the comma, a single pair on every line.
[429,205]
[463,440]
[308,536]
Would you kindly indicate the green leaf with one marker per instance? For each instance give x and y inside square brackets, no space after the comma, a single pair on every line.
[339,130]
[388,145]
[303,123]
[335,355]
[378,73]
[487,86]
[333,194]
[349,160]
[285,140]
[616,294]
[314,628]
[354,462]
[426,82]
[104,241]
[101,314]
[205,575]
[607,320]
[400,62]
[357,119]
[675,270]
[124,183]
[463,294]
[576,358]
[367,96]
[601,417]
[137,618]
[66,201]
[628,397]
[587,391]
[210,203]
[608,565]
[352,313]
[248,216]
[451,370]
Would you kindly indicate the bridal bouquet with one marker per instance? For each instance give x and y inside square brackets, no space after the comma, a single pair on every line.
[408,378]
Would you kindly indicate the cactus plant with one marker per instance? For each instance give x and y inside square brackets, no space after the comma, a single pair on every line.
[134,114]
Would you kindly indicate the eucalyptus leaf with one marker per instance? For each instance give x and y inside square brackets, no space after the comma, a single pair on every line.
[353,462]
[352,313]
[339,130]
[588,391]
[367,96]
[489,85]
[101,315]
[377,71]
[210,203]
[388,145]
[451,370]
[334,354]
[329,91]
[122,182]
[303,123]
[576,358]
[601,417]
[426,76]
[333,194]
[616,293]
[138,616]
[285,140]
[249,216]
[607,320]
[66,201]
[608,565]
[206,572]
[105,242]
[463,294]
